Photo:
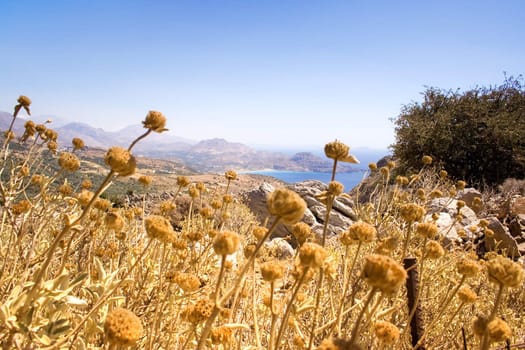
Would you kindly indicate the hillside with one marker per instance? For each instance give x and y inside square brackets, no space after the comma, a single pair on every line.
[214,155]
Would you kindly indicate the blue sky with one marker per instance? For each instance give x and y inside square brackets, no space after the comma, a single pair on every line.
[282,73]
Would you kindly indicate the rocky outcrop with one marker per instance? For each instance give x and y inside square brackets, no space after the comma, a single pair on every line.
[341,216]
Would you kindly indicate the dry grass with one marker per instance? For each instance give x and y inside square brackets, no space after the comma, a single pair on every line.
[76,273]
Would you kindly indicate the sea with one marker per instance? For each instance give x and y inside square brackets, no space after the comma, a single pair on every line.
[349,180]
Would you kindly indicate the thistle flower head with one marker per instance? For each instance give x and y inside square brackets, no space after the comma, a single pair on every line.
[77,143]
[122,327]
[467,295]
[312,255]
[498,330]
[337,150]
[160,228]
[120,161]
[230,175]
[427,229]
[287,205]
[384,273]
[359,232]
[114,221]
[386,332]
[226,243]
[188,282]
[183,181]
[272,270]
[504,271]
[434,250]
[145,180]
[302,232]
[68,161]
[335,188]
[221,335]
[468,267]
[427,160]
[411,212]
[155,121]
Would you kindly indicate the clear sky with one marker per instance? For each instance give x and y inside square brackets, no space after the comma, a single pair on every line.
[262,72]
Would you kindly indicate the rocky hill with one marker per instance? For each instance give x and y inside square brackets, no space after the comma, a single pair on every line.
[213,155]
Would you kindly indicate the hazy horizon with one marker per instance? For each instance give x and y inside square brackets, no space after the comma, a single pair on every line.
[276,73]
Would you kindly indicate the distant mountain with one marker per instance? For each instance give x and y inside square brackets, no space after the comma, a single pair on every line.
[213,155]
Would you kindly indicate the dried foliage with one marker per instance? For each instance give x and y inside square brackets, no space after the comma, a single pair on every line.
[77,272]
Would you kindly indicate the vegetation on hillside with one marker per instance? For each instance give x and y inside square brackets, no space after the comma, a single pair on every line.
[77,272]
[477,135]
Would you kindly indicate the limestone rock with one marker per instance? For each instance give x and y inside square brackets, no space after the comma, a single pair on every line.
[502,240]
[449,205]
[468,195]
[280,248]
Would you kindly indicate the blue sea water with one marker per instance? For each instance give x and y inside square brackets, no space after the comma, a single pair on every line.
[349,180]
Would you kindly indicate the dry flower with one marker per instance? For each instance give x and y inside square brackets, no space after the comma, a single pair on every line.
[155,121]
[120,161]
[287,205]
[160,228]
[226,242]
[78,143]
[427,229]
[272,270]
[312,255]
[68,161]
[504,271]
[122,327]
[384,273]
[386,332]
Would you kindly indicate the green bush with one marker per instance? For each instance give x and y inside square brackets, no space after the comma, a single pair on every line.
[477,135]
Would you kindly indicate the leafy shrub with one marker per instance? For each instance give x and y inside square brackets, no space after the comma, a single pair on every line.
[477,135]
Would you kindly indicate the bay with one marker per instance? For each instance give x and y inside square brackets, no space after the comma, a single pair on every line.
[349,180]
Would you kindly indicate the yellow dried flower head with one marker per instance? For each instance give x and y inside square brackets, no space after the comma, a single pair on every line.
[460,204]
[193,236]
[479,326]
[387,245]
[122,327]
[272,270]
[287,205]
[52,146]
[114,221]
[443,174]
[183,181]
[30,128]
[249,249]
[160,228]
[65,189]
[37,179]
[166,206]
[420,193]
[359,231]
[411,212]
[230,175]
[498,330]
[86,184]
[216,204]
[78,143]
[384,171]
[312,255]
[221,335]
[384,273]
[227,198]
[50,134]
[434,250]
[504,271]
[372,166]
[226,242]
[335,188]
[102,204]
[401,180]
[20,207]
[337,344]
[193,192]
[9,135]
[336,150]
[206,212]
[386,332]
[468,267]
[259,232]
[483,223]
[391,164]
[68,161]
[145,180]
[84,197]
[460,185]
[204,308]
[489,232]
[427,229]
[436,194]
[467,295]
[302,232]
[24,101]
[155,121]
[188,282]
[120,160]
[427,160]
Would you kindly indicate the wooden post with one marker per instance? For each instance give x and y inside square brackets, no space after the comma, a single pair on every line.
[412,284]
